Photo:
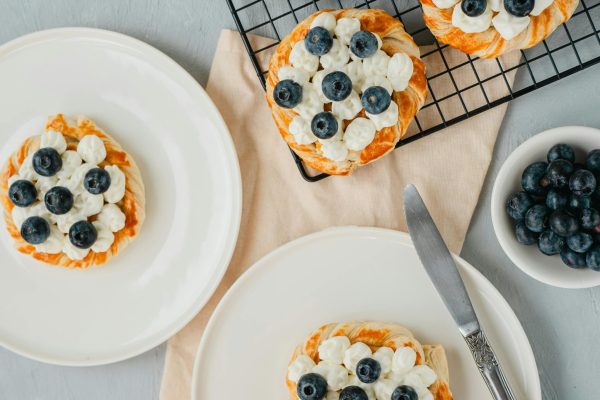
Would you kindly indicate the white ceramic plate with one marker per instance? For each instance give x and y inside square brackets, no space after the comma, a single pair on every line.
[163,117]
[550,270]
[344,274]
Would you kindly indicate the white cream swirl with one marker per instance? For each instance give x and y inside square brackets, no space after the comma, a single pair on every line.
[469,24]
[116,190]
[377,64]
[356,73]
[335,150]
[70,161]
[87,204]
[400,70]
[302,365]
[54,244]
[74,253]
[335,374]
[404,359]
[384,356]
[377,80]
[43,184]
[317,84]
[337,57]
[347,108]
[297,75]
[354,354]
[54,140]
[105,238]
[509,26]
[311,104]
[65,221]
[359,134]
[300,129]
[300,58]
[333,349]
[26,170]
[112,216]
[346,27]
[75,182]
[387,118]
[91,149]
[325,20]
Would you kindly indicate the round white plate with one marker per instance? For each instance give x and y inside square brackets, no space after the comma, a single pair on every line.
[344,274]
[160,114]
[550,270]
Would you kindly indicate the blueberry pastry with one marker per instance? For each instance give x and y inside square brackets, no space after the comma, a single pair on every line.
[367,361]
[490,28]
[72,196]
[343,87]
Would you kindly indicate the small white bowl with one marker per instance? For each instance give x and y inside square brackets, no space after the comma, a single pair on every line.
[547,269]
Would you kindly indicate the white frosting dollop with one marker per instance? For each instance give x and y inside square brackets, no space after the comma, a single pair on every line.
[445,3]
[302,365]
[20,214]
[539,6]
[384,356]
[87,204]
[377,64]
[469,24]
[317,81]
[400,70]
[425,374]
[333,349]
[347,108]
[65,221]
[75,182]
[509,26]
[43,184]
[105,238]
[335,374]
[377,80]
[346,27]
[54,244]
[354,354]
[116,190]
[91,149]
[359,134]
[297,75]
[311,103]
[385,387]
[26,170]
[300,58]
[325,20]
[300,129]
[336,150]
[337,57]
[333,396]
[74,253]
[112,216]
[54,140]
[70,161]
[387,118]
[355,71]
[404,359]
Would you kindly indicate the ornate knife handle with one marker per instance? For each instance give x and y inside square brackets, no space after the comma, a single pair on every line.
[488,366]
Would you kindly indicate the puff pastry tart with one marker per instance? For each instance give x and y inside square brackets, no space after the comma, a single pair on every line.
[367,361]
[343,87]
[490,28]
[72,196]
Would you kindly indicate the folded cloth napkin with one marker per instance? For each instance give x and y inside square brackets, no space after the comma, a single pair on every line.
[278,206]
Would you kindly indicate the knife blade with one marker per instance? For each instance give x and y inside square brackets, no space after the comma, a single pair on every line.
[439,265]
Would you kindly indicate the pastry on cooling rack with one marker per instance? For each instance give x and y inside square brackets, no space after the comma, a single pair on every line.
[490,28]
[367,361]
[343,87]
[72,196]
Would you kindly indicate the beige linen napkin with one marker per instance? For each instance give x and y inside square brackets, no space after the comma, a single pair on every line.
[278,206]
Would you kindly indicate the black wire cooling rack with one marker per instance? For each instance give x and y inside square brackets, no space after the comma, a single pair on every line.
[464,86]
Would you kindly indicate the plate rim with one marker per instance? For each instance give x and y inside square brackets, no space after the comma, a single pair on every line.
[378,233]
[496,212]
[120,39]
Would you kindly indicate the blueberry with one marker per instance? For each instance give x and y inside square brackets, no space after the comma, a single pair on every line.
[324,125]
[573,259]
[550,243]
[363,44]
[524,235]
[536,218]
[519,8]
[353,393]
[561,151]
[368,370]
[582,183]
[562,223]
[534,179]
[592,162]
[559,172]
[556,200]
[59,200]
[83,234]
[593,258]
[287,93]
[318,41]
[47,161]
[404,393]
[590,218]
[312,387]
[96,181]
[375,100]
[35,230]
[22,193]
[473,8]
[580,242]
[336,86]
[578,203]
[518,204]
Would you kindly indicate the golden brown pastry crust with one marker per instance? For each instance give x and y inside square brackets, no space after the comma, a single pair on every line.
[490,44]
[409,101]
[376,335]
[133,204]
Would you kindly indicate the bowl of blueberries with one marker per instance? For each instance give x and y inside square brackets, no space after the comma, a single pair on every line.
[546,207]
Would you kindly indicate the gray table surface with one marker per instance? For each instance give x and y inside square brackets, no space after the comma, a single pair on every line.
[563,325]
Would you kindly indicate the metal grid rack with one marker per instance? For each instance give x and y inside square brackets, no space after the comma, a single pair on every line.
[571,48]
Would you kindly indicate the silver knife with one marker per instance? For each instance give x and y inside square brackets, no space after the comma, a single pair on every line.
[440,267]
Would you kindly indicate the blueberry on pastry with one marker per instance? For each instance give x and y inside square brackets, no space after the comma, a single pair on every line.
[490,28]
[367,361]
[72,196]
[318,77]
